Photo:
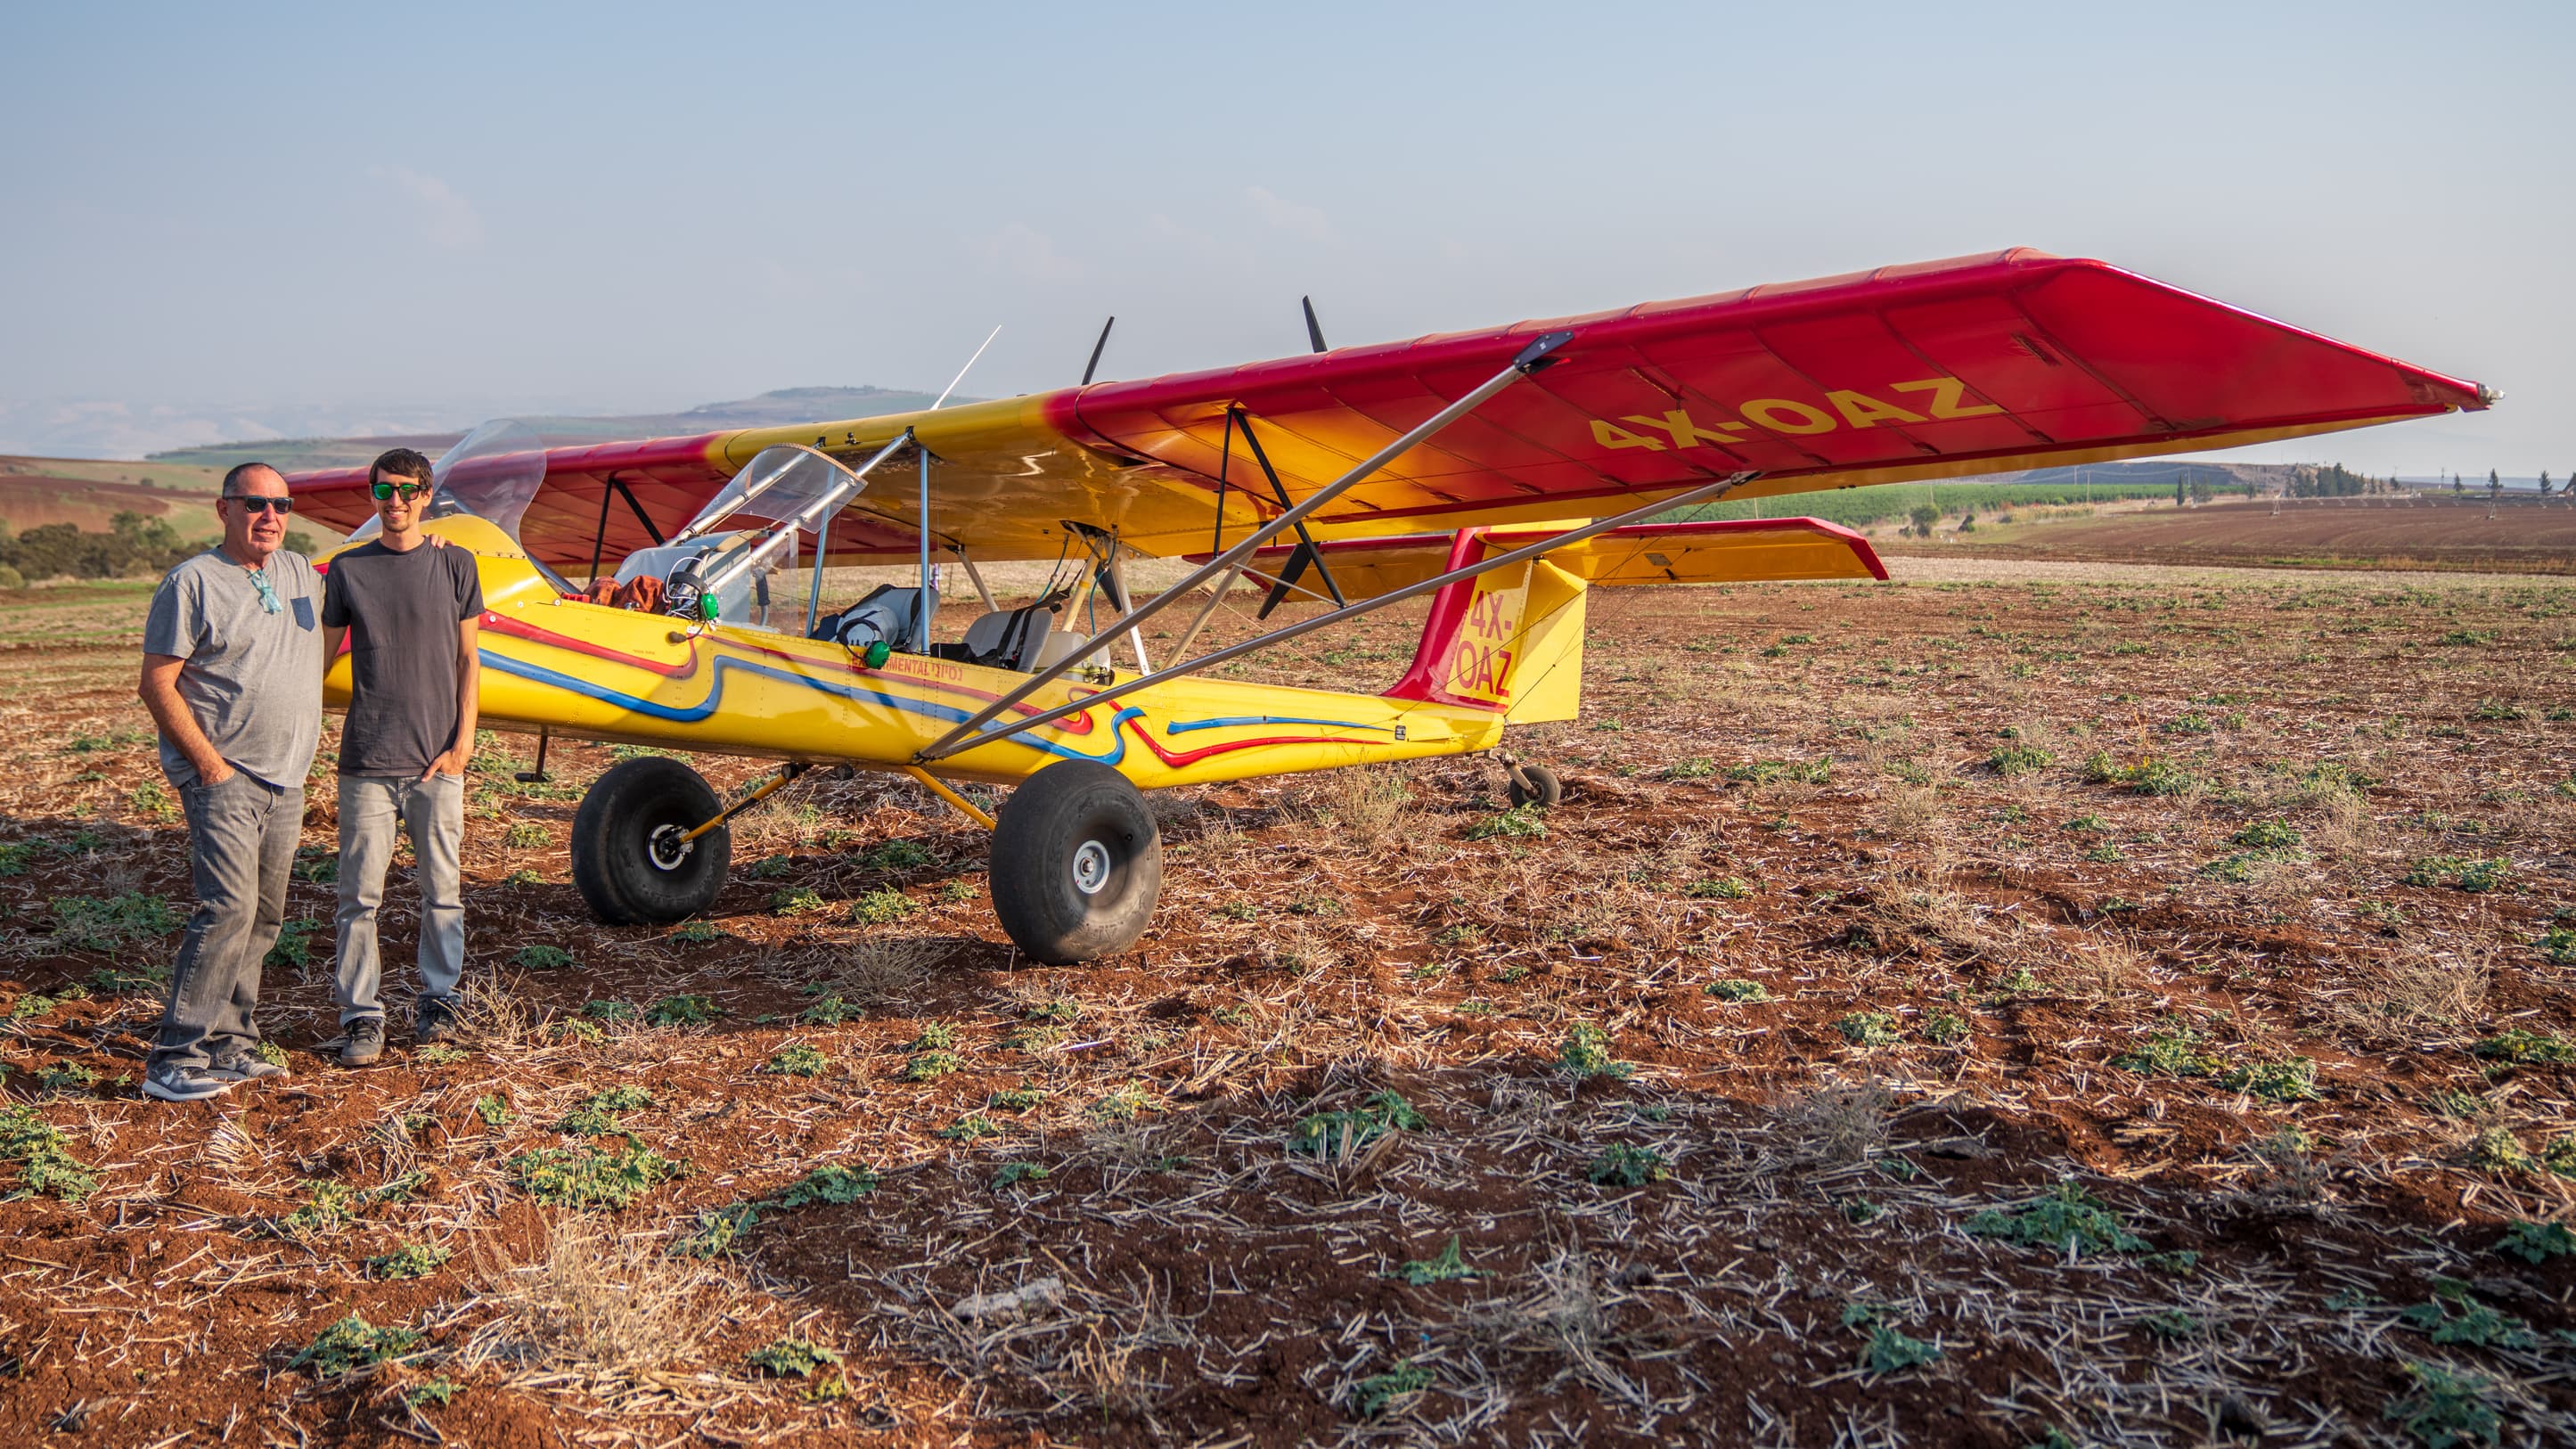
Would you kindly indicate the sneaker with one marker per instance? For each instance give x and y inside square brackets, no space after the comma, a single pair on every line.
[360,1042]
[175,1083]
[433,1020]
[246,1067]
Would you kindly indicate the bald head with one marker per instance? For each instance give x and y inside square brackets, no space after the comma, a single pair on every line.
[237,483]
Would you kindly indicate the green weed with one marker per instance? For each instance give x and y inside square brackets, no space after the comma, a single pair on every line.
[2069,1220]
[1869,1029]
[1625,1166]
[2537,1242]
[411,1260]
[1521,821]
[1371,1396]
[1337,1134]
[1737,989]
[881,907]
[585,1177]
[1730,888]
[107,923]
[351,1344]
[46,1165]
[2446,1408]
[792,1358]
[2516,1047]
[2476,875]
[1449,1266]
[542,958]
[1585,1052]
[799,1059]
[682,1011]
[1889,1351]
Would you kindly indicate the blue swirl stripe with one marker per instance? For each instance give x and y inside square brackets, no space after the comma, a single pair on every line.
[726,664]
[1182,727]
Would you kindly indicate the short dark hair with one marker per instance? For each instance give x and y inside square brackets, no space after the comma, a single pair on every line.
[239,478]
[399,463]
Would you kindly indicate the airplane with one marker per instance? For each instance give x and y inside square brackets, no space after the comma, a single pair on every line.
[1504,472]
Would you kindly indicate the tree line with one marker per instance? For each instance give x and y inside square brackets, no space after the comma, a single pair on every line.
[133,545]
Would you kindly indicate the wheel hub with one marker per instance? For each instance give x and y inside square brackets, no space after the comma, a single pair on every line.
[666,849]
[1090,867]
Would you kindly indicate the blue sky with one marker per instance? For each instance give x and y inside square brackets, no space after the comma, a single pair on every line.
[254,213]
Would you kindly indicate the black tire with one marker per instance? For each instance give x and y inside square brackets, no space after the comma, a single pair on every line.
[1544,788]
[625,857]
[1077,863]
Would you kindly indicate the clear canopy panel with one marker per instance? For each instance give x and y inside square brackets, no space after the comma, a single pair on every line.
[492,473]
[781,482]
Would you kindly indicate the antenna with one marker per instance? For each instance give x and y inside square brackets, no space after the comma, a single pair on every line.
[1093,365]
[1314,329]
[969,367]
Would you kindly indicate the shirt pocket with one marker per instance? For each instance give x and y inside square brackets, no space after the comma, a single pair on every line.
[304,612]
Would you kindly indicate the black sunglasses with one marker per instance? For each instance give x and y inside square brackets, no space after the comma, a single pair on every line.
[384,491]
[264,505]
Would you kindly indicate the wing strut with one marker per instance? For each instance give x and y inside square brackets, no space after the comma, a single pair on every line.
[1639,514]
[1532,358]
[641,516]
[1306,552]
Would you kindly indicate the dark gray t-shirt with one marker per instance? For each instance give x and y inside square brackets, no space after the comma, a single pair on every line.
[401,611]
[253,679]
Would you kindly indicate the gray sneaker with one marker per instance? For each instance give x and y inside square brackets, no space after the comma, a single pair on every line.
[247,1066]
[433,1020]
[174,1083]
[360,1042]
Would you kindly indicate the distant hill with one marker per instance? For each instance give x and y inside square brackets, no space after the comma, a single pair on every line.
[770,409]
[88,494]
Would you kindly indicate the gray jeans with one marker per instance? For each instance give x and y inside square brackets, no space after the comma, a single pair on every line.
[433,812]
[241,847]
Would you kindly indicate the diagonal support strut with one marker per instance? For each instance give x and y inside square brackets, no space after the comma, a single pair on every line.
[1638,514]
[1532,358]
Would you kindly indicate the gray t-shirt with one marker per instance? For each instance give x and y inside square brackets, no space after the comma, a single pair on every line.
[401,611]
[253,679]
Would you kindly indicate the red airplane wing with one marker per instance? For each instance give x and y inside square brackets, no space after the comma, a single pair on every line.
[1983,364]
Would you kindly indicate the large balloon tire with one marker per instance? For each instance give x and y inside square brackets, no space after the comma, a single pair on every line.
[626,858]
[1077,864]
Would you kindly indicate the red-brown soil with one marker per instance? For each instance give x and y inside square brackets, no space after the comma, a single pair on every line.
[2522,535]
[1983,975]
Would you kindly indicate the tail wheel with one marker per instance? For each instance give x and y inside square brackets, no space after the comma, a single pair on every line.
[628,858]
[1535,785]
[1077,863]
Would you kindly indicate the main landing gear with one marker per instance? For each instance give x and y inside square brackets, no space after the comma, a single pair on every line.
[1077,863]
[639,855]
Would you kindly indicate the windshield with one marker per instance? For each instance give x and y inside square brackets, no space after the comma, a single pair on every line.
[779,483]
[493,473]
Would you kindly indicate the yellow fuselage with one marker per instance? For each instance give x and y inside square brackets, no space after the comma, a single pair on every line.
[576,669]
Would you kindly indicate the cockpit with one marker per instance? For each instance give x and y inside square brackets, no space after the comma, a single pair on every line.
[753,557]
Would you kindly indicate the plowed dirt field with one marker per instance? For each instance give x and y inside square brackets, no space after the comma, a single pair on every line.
[2123,1010]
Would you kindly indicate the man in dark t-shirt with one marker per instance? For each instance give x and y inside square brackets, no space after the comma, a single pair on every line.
[410,612]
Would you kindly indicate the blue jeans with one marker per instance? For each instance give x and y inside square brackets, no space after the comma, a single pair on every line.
[433,812]
[241,847]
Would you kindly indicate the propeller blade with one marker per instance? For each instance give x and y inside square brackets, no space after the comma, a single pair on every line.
[1094,365]
[1314,329]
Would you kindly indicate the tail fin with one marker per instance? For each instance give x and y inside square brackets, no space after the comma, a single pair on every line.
[1509,641]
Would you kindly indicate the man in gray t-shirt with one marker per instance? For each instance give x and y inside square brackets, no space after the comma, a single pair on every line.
[232,673]
[411,610]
